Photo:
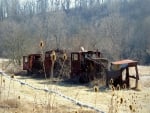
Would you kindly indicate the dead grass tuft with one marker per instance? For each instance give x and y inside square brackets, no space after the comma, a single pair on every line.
[84,111]
[96,89]
[10,103]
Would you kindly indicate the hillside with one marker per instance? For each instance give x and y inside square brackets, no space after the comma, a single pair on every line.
[121,25]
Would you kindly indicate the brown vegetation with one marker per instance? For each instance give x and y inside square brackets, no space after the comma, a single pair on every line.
[18,98]
[120,29]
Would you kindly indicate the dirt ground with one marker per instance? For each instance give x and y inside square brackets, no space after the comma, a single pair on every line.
[18,98]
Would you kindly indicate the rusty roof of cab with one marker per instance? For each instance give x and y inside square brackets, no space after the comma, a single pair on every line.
[125,61]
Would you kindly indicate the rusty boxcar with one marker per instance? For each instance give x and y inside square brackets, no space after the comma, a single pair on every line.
[87,65]
[41,64]
[33,63]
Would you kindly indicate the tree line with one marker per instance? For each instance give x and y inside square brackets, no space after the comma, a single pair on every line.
[118,28]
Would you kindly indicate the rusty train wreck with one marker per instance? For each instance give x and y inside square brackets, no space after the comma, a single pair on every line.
[83,66]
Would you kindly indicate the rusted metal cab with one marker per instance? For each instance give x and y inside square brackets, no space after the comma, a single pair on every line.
[33,63]
[58,64]
[86,65]
[47,62]
[117,70]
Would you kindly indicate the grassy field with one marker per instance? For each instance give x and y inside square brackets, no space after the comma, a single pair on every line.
[17,98]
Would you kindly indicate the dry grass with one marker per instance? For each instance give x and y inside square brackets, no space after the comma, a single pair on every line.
[10,103]
[126,102]
[25,100]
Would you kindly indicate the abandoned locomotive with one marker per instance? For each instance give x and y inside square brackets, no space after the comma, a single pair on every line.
[84,66]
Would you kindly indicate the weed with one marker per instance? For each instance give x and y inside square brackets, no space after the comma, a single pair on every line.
[96,89]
